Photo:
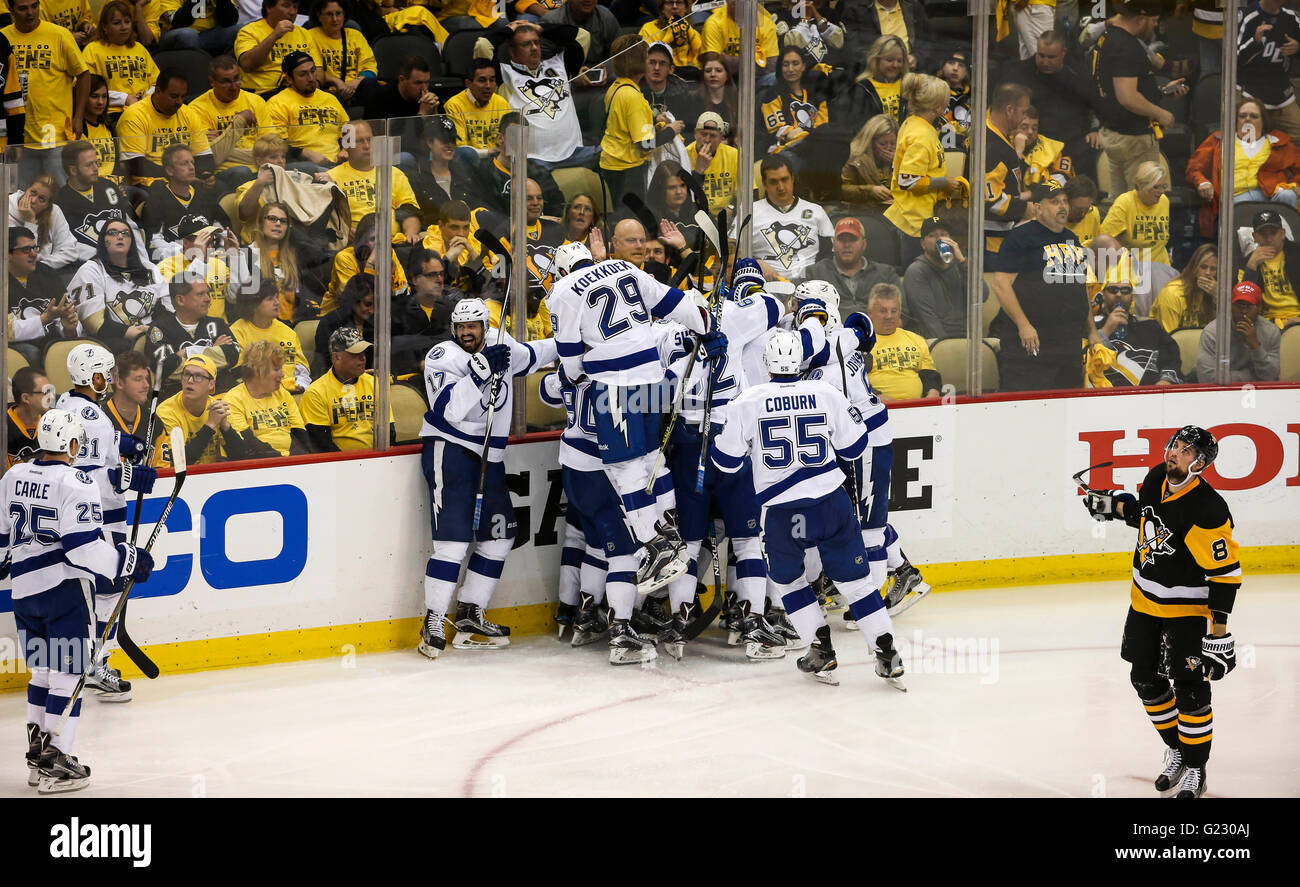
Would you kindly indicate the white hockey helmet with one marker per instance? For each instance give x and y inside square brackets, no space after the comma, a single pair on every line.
[569,256]
[469,310]
[58,429]
[783,353]
[821,289]
[86,360]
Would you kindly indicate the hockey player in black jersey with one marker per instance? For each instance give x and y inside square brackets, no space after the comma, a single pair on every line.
[1185,572]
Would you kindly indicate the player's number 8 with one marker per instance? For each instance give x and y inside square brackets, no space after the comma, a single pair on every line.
[1219,549]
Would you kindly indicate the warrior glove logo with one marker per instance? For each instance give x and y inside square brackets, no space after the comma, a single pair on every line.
[1154,537]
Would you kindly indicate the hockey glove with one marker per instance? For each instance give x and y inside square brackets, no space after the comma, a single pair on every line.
[865,329]
[498,357]
[713,345]
[748,271]
[1103,504]
[131,447]
[133,563]
[1218,655]
[4,567]
[811,308]
[140,478]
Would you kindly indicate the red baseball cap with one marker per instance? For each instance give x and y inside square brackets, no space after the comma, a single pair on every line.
[852,226]
[1247,291]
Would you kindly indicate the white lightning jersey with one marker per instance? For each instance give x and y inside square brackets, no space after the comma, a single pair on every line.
[826,366]
[792,433]
[579,449]
[458,408]
[603,317]
[99,455]
[811,334]
[790,240]
[51,528]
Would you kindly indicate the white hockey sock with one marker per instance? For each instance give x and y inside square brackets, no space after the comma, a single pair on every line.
[620,585]
[893,548]
[877,574]
[484,571]
[868,609]
[801,606]
[61,686]
[812,564]
[571,564]
[629,480]
[441,573]
[38,691]
[682,589]
[665,496]
[751,572]
[594,568]
[104,606]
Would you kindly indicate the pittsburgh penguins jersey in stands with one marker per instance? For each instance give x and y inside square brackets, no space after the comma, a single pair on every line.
[1045,159]
[87,211]
[791,239]
[579,448]
[826,366]
[1185,563]
[1137,353]
[458,407]
[51,528]
[109,303]
[602,315]
[177,342]
[792,432]
[98,456]
[135,427]
[13,119]
[28,298]
[545,100]
[1004,179]
[782,111]
[21,440]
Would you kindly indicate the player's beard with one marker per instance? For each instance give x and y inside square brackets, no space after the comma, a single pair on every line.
[1174,473]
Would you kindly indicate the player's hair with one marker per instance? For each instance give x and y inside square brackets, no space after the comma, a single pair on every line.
[112,6]
[454,211]
[25,382]
[266,145]
[222,63]
[127,363]
[1265,118]
[260,359]
[167,75]
[1149,174]
[1052,37]
[773,163]
[923,92]
[288,258]
[411,64]
[883,291]
[169,153]
[44,218]
[627,55]
[73,150]
[886,44]
[479,64]
[1007,94]
[862,152]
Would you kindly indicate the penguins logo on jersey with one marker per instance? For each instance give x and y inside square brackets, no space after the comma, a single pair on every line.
[803,113]
[88,231]
[545,94]
[1155,537]
[130,306]
[786,240]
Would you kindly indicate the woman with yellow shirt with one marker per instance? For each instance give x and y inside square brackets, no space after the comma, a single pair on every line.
[348,69]
[1139,219]
[259,321]
[1189,300]
[673,28]
[261,404]
[274,255]
[360,259]
[119,58]
[629,122]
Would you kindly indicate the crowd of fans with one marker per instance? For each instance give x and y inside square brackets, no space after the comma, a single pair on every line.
[231,232]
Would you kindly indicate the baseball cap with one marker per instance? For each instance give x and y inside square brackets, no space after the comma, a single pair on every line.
[441,129]
[956,57]
[710,118]
[346,338]
[852,226]
[293,60]
[203,362]
[191,225]
[1043,190]
[660,45]
[1266,218]
[934,223]
[1247,291]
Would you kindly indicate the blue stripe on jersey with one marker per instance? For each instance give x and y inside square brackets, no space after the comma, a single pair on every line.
[626,362]
[547,399]
[726,461]
[637,499]
[40,562]
[795,479]
[663,485]
[748,568]
[76,540]
[532,360]
[568,349]
[668,302]
[437,418]
[855,449]
[485,567]
[625,576]
[821,358]
[773,311]
[447,571]
[114,515]
[796,600]
[876,420]
[584,445]
[594,562]
[4,540]
[571,557]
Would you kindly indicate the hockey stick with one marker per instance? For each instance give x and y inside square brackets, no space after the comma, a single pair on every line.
[178,460]
[1078,478]
[492,244]
[696,626]
[715,311]
[684,270]
[853,463]
[643,214]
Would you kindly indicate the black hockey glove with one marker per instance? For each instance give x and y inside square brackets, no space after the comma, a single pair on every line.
[1218,655]
[1102,504]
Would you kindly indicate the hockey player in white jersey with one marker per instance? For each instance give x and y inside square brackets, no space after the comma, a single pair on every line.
[107,458]
[603,317]
[460,377]
[54,555]
[793,430]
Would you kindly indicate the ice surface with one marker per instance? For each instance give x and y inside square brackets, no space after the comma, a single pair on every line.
[1051,713]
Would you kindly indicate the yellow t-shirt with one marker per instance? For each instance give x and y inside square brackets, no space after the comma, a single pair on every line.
[217,275]
[538,325]
[173,414]
[1170,308]
[281,334]
[1245,169]
[1280,302]
[345,268]
[684,40]
[143,132]
[313,122]
[330,49]
[217,117]
[348,410]
[895,360]
[105,149]
[720,179]
[1088,227]
[267,76]
[418,17]
[1046,160]
[918,157]
[270,418]
[722,34]
[892,24]
[48,61]
[128,70]
[476,126]
[1138,226]
[890,96]
[361,191]
[206,22]
[69,14]
[628,120]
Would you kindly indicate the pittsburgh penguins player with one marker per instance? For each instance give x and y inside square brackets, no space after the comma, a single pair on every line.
[1185,576]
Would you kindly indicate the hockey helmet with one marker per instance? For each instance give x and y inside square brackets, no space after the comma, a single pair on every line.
[86,360]
[1207,448]
[821,289]
[58,429]
[569,256]
[469,310]
[783,353]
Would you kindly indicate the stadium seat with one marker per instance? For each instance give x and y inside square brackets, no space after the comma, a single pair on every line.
[1206,107]
[306,330]
[1244,213]
[408,408]
[538,414]
[55,361]
[458,52]
[954,163]
[882,241]
[1189,344]
[193,62]
[574,180]
[949,357]
[1289,371]
[13,362]
[140,343]
[391,49]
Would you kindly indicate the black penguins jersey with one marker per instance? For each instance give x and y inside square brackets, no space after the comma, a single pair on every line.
[1185,562]
[22,439]
[87,211]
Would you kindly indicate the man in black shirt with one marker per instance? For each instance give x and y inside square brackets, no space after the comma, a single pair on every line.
[1128,99]
[1040,282]
[489,184]
[1267,44]
[33,395]
[423,318]
[408,97]
[666,92]
[189,332]
[176,196]
[1129,350]
[1064,96]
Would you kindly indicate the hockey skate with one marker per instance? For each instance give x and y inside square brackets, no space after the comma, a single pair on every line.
[729,619]
[907,589]
[564,617]
[107,683]
[651,620]
[674,636]
[35,740]
[827,594]
[60,772]
[591,622]
[889,665]
[663,557]
[761,642]
[849,622]
[820,662]
[475,632]
[1167,783]
[432,639]
[781,624]
[626,647]
[1192,784]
